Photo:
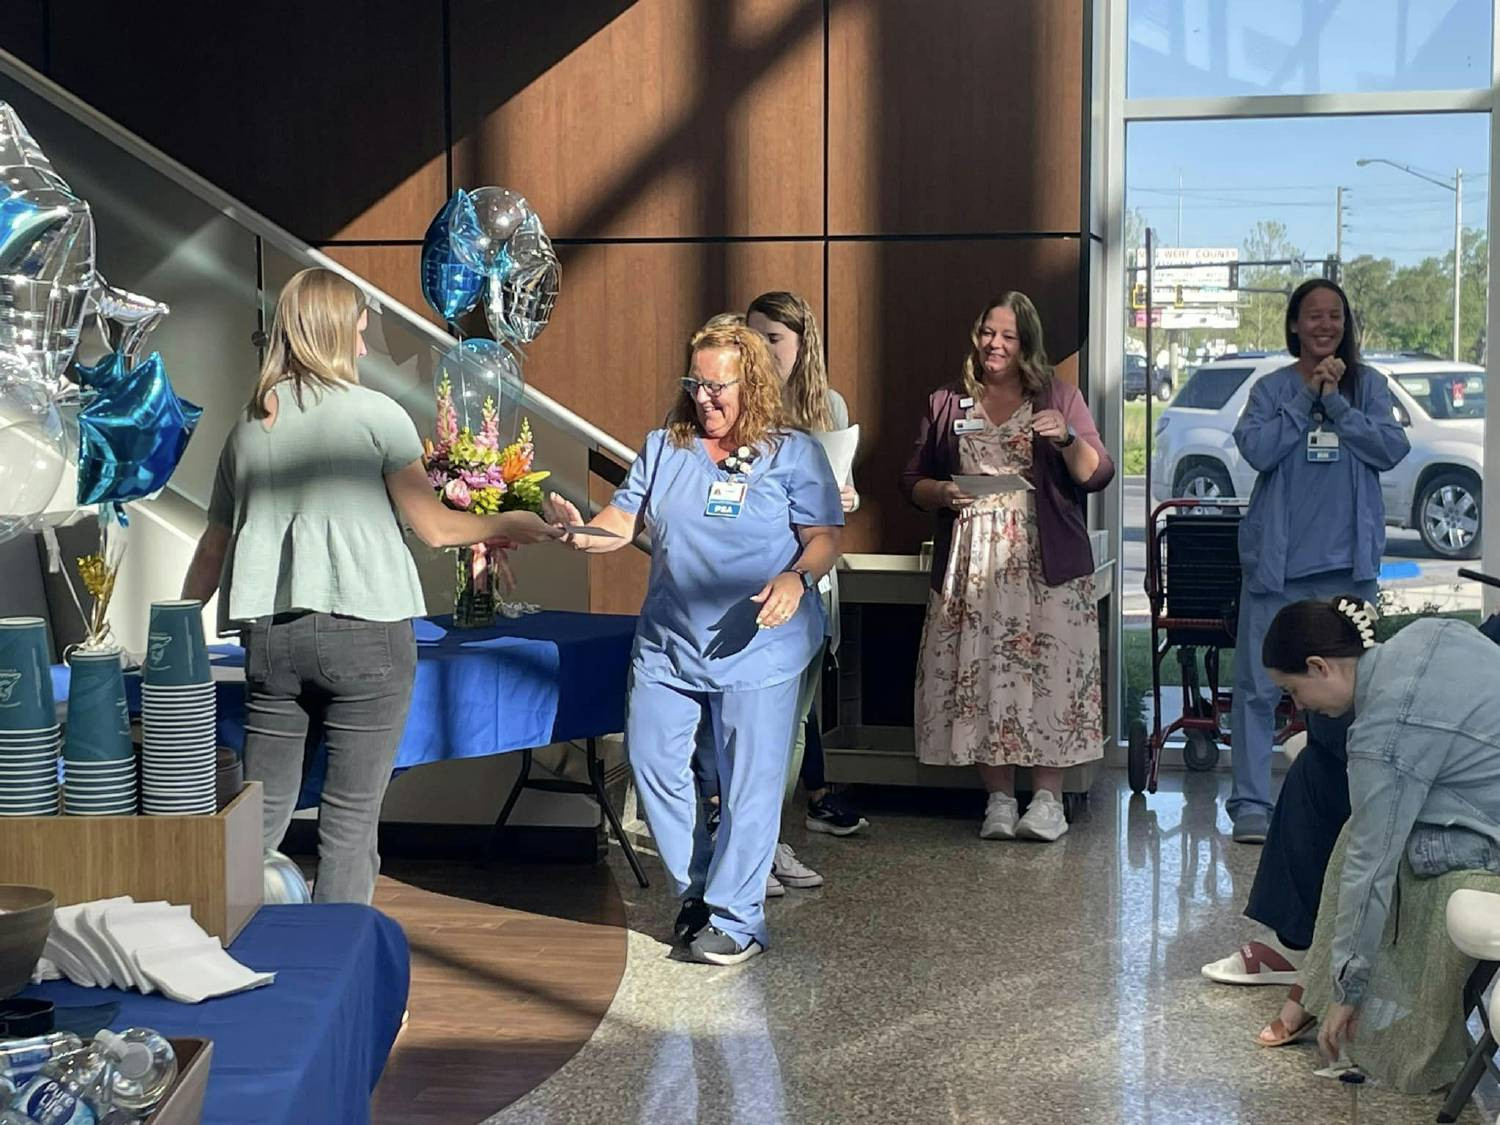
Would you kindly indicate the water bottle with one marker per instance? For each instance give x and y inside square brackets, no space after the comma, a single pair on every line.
[71,1090]
[145,1066]
[21,1058]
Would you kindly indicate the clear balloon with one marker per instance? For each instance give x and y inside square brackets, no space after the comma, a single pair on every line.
[33,448]
[479,233]
[522,290]
[479,371]
[46,268]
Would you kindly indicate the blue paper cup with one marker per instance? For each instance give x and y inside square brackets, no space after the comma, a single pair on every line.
[98,718]
[26,702]
[176,653]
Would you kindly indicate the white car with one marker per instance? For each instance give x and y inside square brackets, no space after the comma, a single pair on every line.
[1436,489]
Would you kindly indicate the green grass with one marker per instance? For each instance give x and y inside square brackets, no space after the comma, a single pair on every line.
[1135,439]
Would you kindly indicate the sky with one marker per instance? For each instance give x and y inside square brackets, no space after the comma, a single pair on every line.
[1233,173]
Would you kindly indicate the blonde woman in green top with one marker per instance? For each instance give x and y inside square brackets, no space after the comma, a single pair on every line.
[305,549]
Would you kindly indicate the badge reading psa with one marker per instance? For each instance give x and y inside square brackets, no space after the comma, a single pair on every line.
[1322,447]
[725,498]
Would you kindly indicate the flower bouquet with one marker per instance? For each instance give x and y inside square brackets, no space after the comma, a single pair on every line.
[472,473]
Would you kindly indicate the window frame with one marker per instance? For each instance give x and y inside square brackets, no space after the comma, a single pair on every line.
[1111,111]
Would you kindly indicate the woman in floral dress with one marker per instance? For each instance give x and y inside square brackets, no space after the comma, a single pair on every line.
[1009,672]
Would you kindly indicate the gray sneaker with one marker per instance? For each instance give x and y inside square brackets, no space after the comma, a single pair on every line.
[1251,827]
[714,947]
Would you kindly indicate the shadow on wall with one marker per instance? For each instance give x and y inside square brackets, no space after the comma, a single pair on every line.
[315,121]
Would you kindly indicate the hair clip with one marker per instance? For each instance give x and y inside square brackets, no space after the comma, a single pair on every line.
[1362,616]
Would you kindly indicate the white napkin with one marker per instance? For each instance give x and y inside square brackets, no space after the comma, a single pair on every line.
[70,949]
[142,945]
[89,917]
[196,973]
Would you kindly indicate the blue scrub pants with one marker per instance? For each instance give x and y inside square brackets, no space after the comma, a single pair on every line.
[1253,717]
[751,731]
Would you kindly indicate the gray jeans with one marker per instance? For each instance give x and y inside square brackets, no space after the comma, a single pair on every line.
[316,678]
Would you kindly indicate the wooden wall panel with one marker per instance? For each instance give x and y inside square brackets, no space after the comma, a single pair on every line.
[657,119]
[21,30]
[395,269]
[898,328]
[618,338]
[327,117]
[955,116]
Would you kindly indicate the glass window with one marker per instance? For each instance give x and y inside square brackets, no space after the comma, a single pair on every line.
[1211,387]
[1445,396]
[1233,48]
[1244,210]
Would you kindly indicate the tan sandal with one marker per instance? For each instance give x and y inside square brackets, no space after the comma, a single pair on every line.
[1277,1034]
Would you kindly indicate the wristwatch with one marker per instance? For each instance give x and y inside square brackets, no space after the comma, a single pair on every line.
[1067,441]
[808,581]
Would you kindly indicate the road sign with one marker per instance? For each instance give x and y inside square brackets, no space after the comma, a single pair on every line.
[1176,296]
[1193,267]
[1221,316]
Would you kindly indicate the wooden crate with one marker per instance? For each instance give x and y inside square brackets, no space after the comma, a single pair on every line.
[210,863]
[183,1104]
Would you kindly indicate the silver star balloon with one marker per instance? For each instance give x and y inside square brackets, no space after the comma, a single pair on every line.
[47,264]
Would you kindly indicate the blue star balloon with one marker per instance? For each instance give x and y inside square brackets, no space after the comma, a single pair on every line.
[450,287]
[133,432]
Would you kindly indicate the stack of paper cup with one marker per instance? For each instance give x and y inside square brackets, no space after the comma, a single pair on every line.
[178,716]
[29,732]
[99,776]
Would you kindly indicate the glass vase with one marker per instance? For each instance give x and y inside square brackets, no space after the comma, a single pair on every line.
[473,592]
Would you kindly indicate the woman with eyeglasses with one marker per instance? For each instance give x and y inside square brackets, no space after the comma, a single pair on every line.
[744,518]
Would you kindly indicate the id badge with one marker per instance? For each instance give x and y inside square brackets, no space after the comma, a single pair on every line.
[1322,447]
[725,498]
[968,425]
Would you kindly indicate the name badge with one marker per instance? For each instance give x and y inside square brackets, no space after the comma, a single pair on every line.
[968,425]
[725,498]
[965,402]
[1322,447]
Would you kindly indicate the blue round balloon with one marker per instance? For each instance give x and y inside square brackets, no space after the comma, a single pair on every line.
[450,287]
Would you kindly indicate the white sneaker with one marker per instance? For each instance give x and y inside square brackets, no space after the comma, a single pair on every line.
[791,871]
[1000,814]
[1044,819]
[774,889]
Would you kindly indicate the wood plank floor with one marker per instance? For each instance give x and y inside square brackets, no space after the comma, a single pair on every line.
[512,970]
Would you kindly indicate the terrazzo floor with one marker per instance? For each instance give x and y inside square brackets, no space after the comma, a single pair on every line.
[940,978]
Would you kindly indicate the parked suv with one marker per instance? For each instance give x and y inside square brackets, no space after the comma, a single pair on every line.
[1436,488]
[1135,380]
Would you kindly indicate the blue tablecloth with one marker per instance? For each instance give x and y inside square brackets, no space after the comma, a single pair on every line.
[308,1048]
[522,683]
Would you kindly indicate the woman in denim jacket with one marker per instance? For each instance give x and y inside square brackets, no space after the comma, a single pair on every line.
[1424,764]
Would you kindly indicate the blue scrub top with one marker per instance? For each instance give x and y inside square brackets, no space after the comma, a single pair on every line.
[697,626]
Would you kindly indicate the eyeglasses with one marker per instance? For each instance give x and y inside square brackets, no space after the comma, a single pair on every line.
[715,390]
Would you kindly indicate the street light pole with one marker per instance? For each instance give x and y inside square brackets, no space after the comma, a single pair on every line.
[1458,252]
[1457,188]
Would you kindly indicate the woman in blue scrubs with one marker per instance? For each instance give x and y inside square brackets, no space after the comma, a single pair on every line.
[744,518]
[1319,432]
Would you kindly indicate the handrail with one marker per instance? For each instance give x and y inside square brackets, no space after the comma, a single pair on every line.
[540,404]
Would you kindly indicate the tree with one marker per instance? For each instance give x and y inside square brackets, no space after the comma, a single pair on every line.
[1262,314]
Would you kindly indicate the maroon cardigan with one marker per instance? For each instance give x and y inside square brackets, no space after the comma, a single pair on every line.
[1061,514]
